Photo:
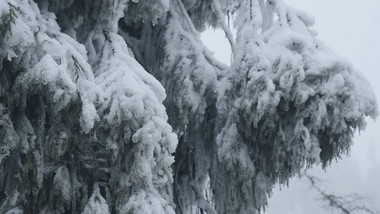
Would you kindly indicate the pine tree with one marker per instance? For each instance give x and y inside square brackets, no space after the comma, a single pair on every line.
[116,106]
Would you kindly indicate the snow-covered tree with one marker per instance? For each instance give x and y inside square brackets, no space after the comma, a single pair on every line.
[116,106]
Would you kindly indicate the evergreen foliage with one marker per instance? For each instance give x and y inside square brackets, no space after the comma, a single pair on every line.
[116,106]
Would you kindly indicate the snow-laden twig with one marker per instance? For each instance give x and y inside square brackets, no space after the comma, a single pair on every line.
[348,204]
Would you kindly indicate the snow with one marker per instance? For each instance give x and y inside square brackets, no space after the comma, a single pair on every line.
[290,83]
[147,203]
[15,211]
[69,105]
[62,184]
[96,203]
[88,104]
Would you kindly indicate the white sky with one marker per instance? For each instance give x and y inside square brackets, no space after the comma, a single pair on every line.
[352,29]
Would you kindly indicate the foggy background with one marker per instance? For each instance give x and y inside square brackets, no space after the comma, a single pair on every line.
[352,29]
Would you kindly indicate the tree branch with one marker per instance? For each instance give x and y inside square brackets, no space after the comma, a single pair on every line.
[345,204]
[226,29]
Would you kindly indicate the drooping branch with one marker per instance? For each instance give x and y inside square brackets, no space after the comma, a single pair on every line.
[85,122]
